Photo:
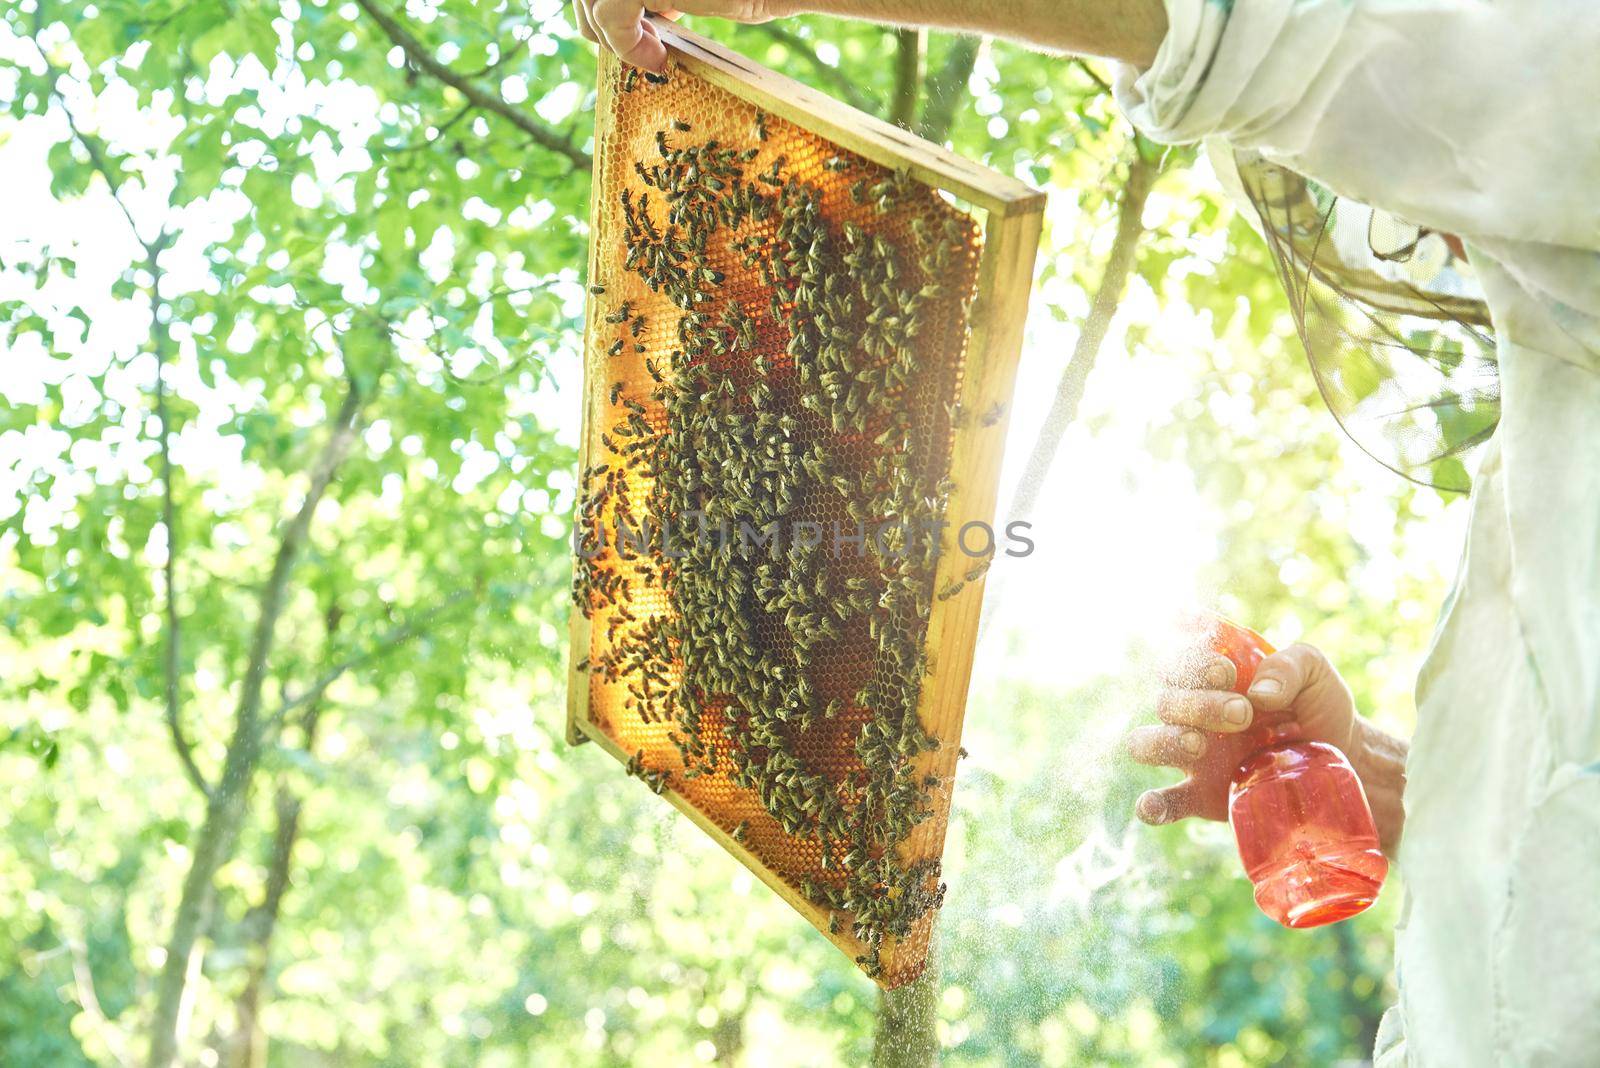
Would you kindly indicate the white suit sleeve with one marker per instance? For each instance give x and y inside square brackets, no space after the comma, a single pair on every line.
[1470,116]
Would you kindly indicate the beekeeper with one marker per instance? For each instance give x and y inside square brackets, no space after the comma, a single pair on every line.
[1476,120]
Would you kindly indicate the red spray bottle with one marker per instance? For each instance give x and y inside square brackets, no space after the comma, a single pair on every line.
[1300,817]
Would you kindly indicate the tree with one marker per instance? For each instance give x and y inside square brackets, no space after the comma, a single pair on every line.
[374,312]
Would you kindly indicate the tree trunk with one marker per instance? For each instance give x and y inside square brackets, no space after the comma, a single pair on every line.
[947,88]
[908,1019]
[909,44]
[225,808]
[728,1038]
[247,1048]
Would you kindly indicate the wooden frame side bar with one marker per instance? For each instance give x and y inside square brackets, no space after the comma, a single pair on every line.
[578,624]
[1005,279]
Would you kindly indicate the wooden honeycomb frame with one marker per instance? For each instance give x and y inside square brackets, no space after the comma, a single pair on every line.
[1010,214]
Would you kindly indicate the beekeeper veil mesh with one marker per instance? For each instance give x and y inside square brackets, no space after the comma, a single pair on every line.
[1391,316]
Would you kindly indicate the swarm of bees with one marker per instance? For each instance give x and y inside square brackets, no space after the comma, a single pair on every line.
[763,413]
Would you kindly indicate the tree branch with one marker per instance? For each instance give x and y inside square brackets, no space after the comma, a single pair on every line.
[947,87]
[430,138]
[396,636]
[171,654]
[1102,309]
[1142,173]
[91,144]
[1083,65]
[247,1046]
[423,59]
[837,79]
[909,46]
[160,341]
[89,1000]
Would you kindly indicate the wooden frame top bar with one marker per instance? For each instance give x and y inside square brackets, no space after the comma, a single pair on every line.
[881,142]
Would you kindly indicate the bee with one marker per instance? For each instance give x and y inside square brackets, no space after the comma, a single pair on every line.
[615,349]
[598,290]
[993,414]
[835,163]
[630,79]
[616,391]
[655,79]
[620,315]
[637,326]
[761,125]
[680,125]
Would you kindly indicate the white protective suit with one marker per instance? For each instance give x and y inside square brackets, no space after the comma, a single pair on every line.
[1478,118]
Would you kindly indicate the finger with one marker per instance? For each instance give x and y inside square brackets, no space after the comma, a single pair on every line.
[667,13]
[1291,674]
[1201,668]
[580,12]
[621,25]
[1218,673]
[1165,746]
[1209,710]
[1170,803]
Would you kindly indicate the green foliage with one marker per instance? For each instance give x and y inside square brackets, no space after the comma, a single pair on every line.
[313,213]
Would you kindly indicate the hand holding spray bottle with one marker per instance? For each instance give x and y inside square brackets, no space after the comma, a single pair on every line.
[1297,808]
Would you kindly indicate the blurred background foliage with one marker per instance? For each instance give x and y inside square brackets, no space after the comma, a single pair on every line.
[289,313]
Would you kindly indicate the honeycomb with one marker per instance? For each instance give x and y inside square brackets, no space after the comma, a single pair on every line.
[772,689]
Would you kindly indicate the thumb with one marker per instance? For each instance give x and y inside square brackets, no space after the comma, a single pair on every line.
[623,28]
[1290,675]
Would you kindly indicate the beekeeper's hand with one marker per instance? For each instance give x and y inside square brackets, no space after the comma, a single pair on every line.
[621,26]
[1203,723]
